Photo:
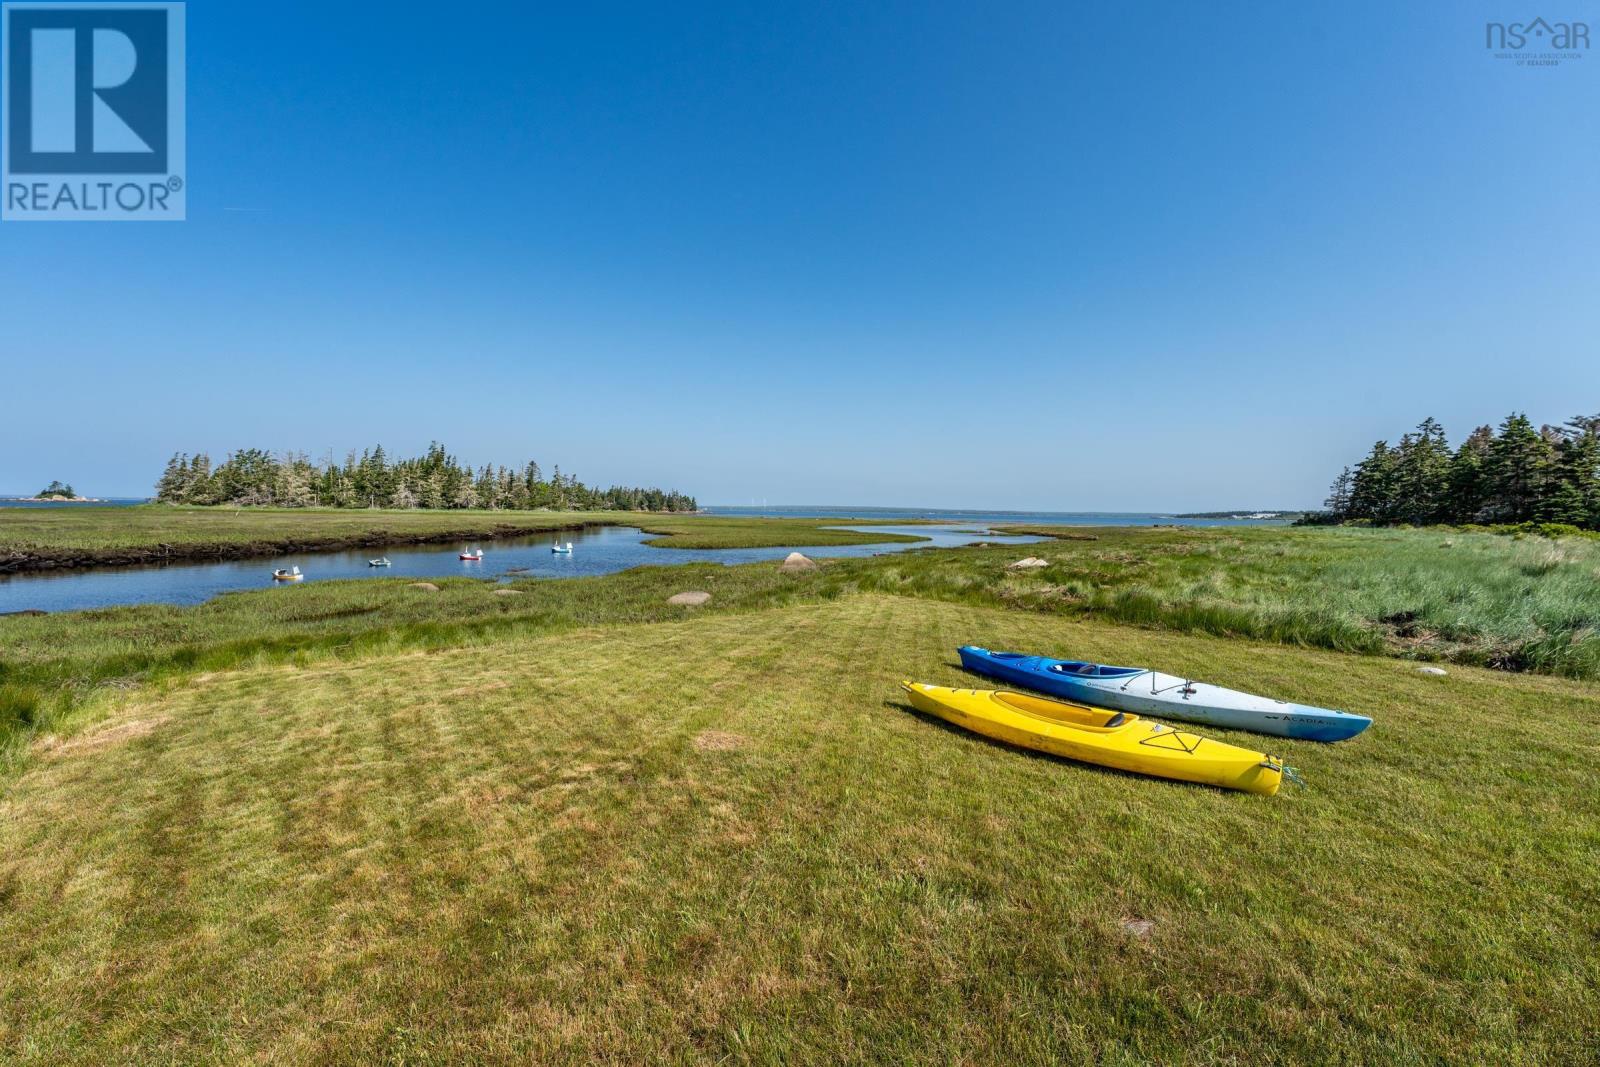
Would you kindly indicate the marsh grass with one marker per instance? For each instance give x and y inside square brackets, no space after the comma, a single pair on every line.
[91,533]
[523,848]
[713,531]
[92,529]
[1506,602]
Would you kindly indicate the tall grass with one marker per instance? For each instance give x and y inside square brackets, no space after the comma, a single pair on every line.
[1526,603]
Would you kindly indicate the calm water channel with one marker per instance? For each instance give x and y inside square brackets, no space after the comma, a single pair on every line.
[599,550]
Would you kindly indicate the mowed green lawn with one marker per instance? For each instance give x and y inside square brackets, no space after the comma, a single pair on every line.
[726,838]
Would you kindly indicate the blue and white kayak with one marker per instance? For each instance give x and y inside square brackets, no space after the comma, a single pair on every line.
[1147,692]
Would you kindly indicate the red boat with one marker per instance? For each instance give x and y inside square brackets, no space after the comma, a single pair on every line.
[472,557]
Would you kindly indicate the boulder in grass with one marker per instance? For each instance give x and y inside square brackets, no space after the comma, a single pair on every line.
[691,599]
[1027,564]
[508,592]
[797,562]
[1439,672]
[1140,928]
[427,587]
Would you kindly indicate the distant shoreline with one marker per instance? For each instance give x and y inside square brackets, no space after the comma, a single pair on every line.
[1000,517]
[1262,515]
[51,500]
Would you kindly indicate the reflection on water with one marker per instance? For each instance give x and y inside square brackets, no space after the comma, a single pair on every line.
[597,550]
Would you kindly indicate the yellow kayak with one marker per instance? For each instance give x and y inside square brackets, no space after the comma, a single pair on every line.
[1095,735]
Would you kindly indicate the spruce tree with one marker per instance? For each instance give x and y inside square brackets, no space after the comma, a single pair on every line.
[1372,488]
[380,485]
[1421,475]
[1469,488]
[200,488]
[169,490]
[1518,467]
[1574,496]
[1338,502]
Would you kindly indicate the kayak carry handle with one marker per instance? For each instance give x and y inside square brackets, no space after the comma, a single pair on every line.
[1289,773]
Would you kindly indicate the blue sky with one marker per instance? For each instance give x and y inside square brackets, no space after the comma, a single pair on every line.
[1124,257]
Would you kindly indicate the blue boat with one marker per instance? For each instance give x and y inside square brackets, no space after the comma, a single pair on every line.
[1148,692]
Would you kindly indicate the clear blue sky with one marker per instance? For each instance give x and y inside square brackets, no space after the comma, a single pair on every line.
[1112,257]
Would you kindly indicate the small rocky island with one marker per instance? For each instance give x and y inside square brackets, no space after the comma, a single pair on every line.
[58,493]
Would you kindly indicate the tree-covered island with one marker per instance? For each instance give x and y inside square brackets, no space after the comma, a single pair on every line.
[435,480]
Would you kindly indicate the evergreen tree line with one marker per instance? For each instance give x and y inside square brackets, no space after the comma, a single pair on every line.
[372,480]
[1513,474]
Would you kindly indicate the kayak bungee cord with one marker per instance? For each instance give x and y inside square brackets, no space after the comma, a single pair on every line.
[1186,687]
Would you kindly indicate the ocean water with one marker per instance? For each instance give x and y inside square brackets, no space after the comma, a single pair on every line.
[107,502]
[1032,518]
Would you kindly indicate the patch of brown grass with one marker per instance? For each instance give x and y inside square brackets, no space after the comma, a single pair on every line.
[719,741]
[103,738]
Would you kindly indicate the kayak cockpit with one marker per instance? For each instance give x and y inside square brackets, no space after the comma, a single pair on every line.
[1093,670]
[1063,714]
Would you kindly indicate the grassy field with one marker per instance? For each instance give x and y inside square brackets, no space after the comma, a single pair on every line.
[722,836]
[36,538]
[1483,599]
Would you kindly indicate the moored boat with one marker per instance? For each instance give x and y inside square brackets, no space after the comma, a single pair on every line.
[384,562]
[557,547]
[471,557]
[1148,692]
[1116,739]
[291,575]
